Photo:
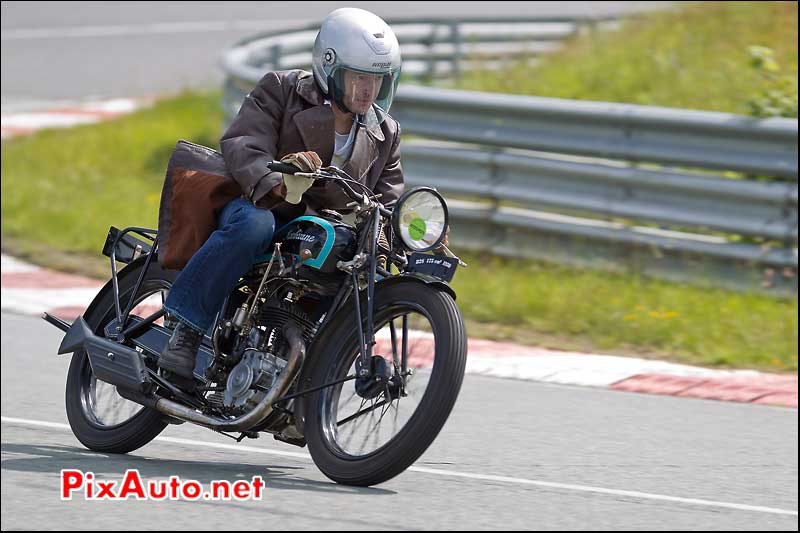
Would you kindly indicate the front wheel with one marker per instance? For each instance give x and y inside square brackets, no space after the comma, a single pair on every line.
[364,432]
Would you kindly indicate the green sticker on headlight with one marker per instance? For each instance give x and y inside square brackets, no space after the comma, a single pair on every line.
[417,229]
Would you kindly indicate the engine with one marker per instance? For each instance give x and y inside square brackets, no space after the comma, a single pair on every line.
[251,379]
[259,356]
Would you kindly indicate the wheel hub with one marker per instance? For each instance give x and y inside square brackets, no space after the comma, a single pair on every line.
[377,379]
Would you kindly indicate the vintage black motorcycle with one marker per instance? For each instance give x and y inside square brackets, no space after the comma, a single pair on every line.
[321,342]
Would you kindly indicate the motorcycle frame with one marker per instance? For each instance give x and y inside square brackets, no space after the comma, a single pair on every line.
[123,316]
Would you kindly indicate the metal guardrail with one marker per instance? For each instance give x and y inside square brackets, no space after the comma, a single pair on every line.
[593,184]
[616,131]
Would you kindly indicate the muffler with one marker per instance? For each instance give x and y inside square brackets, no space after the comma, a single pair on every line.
[111,362]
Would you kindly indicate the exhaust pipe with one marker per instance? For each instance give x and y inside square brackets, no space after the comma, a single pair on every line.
[57,322]
[297,354]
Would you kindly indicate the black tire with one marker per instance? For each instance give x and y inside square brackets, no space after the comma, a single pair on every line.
[144,426]
[428,418]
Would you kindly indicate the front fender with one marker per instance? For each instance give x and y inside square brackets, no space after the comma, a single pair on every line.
[420,278]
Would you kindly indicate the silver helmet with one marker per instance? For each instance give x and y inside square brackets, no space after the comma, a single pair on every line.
[356,62]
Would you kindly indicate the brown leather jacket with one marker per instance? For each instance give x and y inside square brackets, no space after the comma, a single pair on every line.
[286,113]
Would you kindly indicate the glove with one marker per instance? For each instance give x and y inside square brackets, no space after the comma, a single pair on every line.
[305,161]
[293,187]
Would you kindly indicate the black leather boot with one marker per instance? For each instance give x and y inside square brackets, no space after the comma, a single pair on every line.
[181,350]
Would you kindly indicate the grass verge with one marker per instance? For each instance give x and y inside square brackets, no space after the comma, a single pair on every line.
[565,308]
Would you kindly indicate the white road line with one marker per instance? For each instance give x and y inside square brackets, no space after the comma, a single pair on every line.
[614,492]
[146,29]
[437,472]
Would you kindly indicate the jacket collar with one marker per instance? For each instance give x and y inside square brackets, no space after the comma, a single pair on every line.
[309,90]
[364,154]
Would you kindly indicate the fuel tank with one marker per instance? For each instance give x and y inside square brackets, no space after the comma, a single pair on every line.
[328,240]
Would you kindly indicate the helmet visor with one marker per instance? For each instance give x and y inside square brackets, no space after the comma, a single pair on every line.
[359,91]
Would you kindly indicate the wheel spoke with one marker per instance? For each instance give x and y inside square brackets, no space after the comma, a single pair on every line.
[347,401]
[387,401]
[404,361]
[366,437]
[393,332]
[396,412]
[353,428]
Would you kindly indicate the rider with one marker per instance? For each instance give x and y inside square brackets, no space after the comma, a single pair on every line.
[337,115]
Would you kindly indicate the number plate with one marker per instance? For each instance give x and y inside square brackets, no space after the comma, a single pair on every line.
[438,266]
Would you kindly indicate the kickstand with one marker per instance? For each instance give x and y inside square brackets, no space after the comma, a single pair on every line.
[243,435]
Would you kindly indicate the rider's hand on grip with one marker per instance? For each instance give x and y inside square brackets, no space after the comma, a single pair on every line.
[305,161]
[293,187]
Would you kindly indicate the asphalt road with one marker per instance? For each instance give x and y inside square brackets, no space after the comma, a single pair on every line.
[65,51]
[514,454]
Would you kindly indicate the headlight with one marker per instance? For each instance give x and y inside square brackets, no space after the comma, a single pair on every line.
[420,219]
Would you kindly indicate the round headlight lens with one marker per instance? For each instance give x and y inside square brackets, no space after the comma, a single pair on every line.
[420,219]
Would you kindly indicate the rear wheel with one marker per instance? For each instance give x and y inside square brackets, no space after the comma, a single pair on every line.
[100,418]
[364,432]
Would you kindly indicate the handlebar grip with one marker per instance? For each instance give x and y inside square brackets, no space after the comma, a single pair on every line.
[284,168]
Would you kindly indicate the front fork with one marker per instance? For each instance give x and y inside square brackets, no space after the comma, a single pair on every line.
[367,339]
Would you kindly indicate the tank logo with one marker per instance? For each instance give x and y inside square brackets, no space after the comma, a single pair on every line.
[297,236]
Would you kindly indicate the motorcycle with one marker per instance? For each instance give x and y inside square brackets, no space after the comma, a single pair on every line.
[320,343]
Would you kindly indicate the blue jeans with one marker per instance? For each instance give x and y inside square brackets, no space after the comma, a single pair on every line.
[244,232]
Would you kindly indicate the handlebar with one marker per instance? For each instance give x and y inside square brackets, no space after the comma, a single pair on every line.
[284,168]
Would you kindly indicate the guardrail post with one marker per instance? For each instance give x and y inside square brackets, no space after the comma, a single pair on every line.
[431,60]
[455,36]
[499,232]
[277,50]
